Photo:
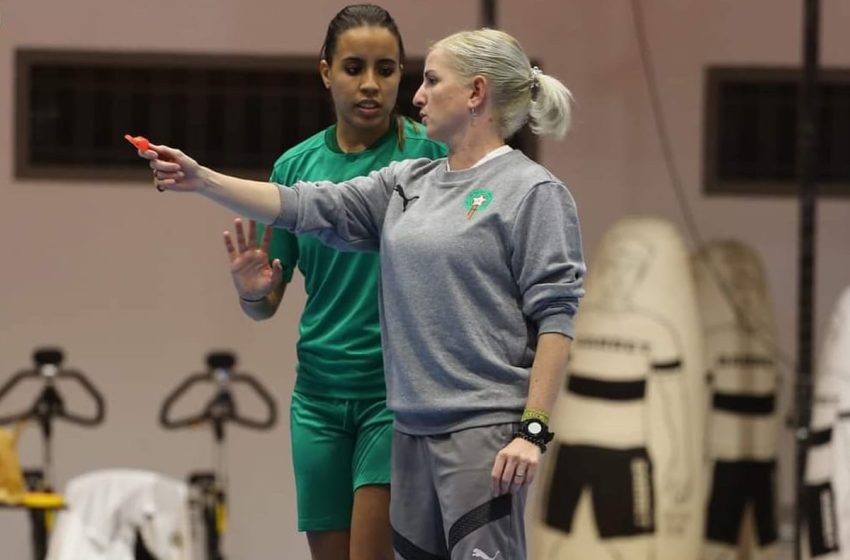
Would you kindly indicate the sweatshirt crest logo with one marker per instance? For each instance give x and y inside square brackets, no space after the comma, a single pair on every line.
[476,201]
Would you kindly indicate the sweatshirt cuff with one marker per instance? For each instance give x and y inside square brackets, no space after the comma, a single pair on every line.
[562,323]
[288,208]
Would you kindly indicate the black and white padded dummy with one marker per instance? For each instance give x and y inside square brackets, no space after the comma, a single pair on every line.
[743,419]
[622,480]
[826,500]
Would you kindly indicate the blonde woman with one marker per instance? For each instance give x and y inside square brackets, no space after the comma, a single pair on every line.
[481,277]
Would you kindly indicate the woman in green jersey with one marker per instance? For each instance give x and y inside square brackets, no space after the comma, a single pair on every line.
[340,426]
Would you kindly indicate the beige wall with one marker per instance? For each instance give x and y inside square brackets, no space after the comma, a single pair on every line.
[134,285]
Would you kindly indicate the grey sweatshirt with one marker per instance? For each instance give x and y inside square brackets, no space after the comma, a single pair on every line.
[475,265]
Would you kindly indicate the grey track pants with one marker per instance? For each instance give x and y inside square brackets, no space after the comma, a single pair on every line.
[441,505]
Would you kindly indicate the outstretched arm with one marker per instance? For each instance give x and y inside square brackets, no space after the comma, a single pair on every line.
[175,171]
[348,217]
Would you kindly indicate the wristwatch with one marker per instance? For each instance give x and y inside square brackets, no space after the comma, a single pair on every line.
[536,432]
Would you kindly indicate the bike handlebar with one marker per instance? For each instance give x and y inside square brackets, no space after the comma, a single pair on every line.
[50,403]
[221,408]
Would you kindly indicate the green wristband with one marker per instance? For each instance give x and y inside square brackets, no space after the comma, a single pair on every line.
[530,413]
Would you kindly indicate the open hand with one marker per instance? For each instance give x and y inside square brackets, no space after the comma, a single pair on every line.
[253,276]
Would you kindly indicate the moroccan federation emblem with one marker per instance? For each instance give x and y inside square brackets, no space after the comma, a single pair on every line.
[477,200]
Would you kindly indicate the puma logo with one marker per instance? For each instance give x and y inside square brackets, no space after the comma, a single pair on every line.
[478,553]
[405,200]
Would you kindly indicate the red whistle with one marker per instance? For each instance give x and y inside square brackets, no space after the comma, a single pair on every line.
[140,142]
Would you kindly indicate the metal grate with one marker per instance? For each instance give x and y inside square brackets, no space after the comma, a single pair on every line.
[752,121]
[234,113]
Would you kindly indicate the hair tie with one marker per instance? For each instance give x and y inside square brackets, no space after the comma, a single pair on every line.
[535,81]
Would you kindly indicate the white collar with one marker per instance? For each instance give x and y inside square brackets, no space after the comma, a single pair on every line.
[488,156]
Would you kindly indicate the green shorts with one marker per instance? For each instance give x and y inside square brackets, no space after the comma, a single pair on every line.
[337,447]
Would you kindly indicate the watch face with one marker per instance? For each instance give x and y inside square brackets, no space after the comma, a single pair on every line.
[535,428]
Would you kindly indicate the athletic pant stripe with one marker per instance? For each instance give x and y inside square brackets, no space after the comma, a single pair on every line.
[410,551]
[493,510]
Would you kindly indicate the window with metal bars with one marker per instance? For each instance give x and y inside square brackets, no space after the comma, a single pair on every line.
[234,113]
[751,131]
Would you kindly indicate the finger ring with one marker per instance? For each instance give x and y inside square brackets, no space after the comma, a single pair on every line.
[156,186]
[519,475]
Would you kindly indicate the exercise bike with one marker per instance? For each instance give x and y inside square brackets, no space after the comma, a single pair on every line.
[41,501]
[210,487]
